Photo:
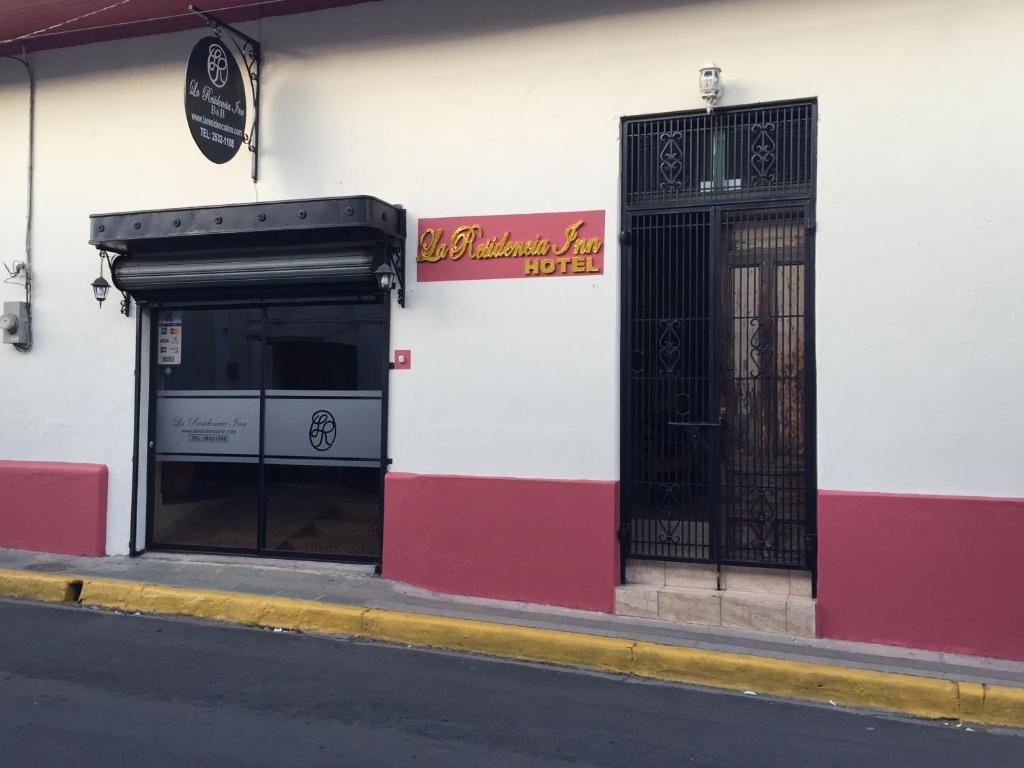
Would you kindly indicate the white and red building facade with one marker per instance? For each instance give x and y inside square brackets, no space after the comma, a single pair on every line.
[777,337]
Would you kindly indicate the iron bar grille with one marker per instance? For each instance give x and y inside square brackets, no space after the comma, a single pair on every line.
[716,303]
[715,386]
[762,152]
[762,305]
[670,406]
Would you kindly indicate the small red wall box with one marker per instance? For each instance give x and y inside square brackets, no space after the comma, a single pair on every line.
[403,359]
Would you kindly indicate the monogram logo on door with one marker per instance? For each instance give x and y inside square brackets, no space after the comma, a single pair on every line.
[322,430]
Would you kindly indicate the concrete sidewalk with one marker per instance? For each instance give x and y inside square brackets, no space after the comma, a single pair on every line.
[358,586]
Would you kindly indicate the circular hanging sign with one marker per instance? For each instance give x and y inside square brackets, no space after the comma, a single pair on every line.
[215,100]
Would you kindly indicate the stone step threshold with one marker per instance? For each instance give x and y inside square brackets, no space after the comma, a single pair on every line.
[766,600]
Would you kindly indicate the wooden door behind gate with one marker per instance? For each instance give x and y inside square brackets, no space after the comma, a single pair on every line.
[762,392]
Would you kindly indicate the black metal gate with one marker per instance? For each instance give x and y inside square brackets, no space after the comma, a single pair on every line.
[717,336]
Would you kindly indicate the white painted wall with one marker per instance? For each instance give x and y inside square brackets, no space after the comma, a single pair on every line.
[461,107]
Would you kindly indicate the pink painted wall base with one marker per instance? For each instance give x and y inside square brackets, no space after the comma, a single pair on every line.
[937,572]
[53,507]
[540,541]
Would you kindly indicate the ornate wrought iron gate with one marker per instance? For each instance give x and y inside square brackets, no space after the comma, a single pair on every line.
[717,339]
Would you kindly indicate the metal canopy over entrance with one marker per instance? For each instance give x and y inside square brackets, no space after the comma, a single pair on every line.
[260,247]
[717,339]
[267,372]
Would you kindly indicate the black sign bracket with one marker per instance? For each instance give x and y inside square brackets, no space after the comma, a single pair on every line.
[250,54]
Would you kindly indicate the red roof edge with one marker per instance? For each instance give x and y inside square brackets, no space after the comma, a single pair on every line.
[136,20]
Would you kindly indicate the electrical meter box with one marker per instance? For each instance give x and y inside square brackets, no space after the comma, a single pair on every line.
[14,323]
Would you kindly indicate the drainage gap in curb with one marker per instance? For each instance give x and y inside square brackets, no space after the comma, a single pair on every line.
[73,593]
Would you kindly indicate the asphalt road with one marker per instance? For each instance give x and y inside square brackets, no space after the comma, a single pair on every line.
[86,688]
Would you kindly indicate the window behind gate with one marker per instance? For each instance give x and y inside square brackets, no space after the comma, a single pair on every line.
[717,358]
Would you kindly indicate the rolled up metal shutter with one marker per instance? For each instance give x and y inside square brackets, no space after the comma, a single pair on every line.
[141,275]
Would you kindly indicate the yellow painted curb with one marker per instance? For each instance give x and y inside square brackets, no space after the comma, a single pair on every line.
[972,701]
[919,696]
[46,587]
[236,607]
[607,653]
[1002,706]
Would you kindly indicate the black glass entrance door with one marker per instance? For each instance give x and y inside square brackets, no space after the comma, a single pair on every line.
[267,429]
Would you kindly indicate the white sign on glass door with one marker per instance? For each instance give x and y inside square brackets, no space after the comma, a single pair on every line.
[208,424]
[169,338]
[323,428]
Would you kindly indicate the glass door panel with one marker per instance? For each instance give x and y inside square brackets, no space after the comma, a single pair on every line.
[323,412]
[335,347]
[323,510]
[207,428]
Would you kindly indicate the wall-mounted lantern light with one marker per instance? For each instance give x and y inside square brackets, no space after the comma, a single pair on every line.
[100,286]
[386,276]
[710,83]
[391,272]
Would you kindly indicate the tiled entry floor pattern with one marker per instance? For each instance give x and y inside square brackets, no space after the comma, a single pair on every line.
[767,600]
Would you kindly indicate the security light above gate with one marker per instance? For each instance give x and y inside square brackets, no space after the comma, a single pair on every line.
[710,83]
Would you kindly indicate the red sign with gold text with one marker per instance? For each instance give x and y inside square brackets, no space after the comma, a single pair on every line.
[516,245]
